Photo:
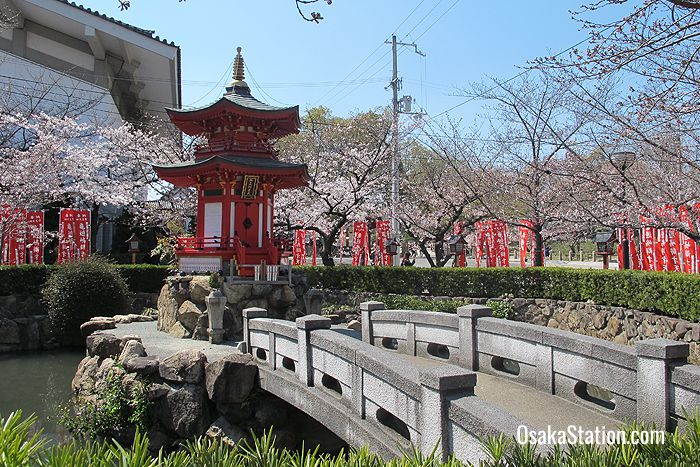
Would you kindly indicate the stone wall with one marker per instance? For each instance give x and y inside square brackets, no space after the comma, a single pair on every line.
[182,309]
[24,322]
[191,396]
[616,324]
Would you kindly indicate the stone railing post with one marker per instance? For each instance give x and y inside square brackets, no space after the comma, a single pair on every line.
[366,309]
[438,384]
[468,354]
[305,325]
[248,314]
[654,360]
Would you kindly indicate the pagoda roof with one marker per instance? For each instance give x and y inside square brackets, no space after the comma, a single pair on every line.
[239,102]
[185,173]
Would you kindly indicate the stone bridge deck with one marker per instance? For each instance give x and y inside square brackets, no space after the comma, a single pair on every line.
[438,379]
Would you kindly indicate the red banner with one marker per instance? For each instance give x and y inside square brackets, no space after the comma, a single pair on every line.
[299,248]
[383,234]
[73,235]
[35,237]
[14,235]
[360,244]
[461,261]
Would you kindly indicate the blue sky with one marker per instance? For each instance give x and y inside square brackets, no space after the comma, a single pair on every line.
[297,62]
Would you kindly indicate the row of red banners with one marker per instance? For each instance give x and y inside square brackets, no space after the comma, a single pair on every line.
[492,243]
[660,250]
[360,244]
[23,236]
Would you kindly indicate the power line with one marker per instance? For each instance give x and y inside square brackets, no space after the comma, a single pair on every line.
[323,97]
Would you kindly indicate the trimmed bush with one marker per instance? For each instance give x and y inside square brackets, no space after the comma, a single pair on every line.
[143,277]
[78,291]
[672,294]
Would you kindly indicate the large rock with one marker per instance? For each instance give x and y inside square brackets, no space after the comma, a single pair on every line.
[167,309]
[186,366]
[235,293]
[179,331]
[132,349]
[93,325]
[103,345]
[141,365]
[184,411]
[9,332]
[84,379]
[199,289]
[231,379]
[282,297]
[200,331]
[188,314]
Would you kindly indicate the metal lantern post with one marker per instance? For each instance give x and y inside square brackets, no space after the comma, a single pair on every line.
[134,247]
[623,160]
[604,246]
[457,244]
[392,248]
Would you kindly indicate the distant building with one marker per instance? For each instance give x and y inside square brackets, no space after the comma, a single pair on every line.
[64,58]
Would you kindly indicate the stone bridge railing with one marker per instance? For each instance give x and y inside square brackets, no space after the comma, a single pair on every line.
[368,396]
[651,381]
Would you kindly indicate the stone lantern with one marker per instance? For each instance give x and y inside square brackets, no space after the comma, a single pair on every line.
[457,244]
[216,304]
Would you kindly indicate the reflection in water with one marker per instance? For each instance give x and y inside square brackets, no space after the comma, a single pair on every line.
[38,382]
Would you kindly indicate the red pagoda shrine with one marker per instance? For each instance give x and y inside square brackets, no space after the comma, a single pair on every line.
[236,173]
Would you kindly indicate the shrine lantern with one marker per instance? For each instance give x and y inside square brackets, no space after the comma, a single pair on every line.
[236,173]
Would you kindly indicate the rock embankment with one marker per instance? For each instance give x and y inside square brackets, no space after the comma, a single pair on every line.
[182,308]
[190,396]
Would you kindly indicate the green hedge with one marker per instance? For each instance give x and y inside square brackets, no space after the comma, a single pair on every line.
[22,279]
[30,278]
[143,277]
[672,294]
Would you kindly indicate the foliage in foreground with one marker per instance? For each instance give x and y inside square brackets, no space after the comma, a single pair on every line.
[19,447]
[112,409]
[668,293]
[80,290]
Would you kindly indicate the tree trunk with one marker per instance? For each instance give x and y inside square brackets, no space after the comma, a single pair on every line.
[539,246]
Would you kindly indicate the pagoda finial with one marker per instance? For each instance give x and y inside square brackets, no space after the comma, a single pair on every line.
[238,66]
[237,84]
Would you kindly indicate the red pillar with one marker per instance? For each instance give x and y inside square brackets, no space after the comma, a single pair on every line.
[226,214]
[200,212]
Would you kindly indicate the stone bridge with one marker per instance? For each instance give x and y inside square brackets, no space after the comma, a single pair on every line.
[432,379]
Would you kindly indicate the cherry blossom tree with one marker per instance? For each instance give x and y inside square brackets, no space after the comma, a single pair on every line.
[348,161]
[530,123]
[434,197]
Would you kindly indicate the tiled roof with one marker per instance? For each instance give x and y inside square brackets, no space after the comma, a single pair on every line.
[253,162]
[144,32]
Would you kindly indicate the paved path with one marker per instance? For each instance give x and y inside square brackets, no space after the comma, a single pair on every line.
[162,345]
[536,408]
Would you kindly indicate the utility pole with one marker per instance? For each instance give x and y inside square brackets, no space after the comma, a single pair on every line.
[395,182]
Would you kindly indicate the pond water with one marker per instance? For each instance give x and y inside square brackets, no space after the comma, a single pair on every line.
[38,382]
